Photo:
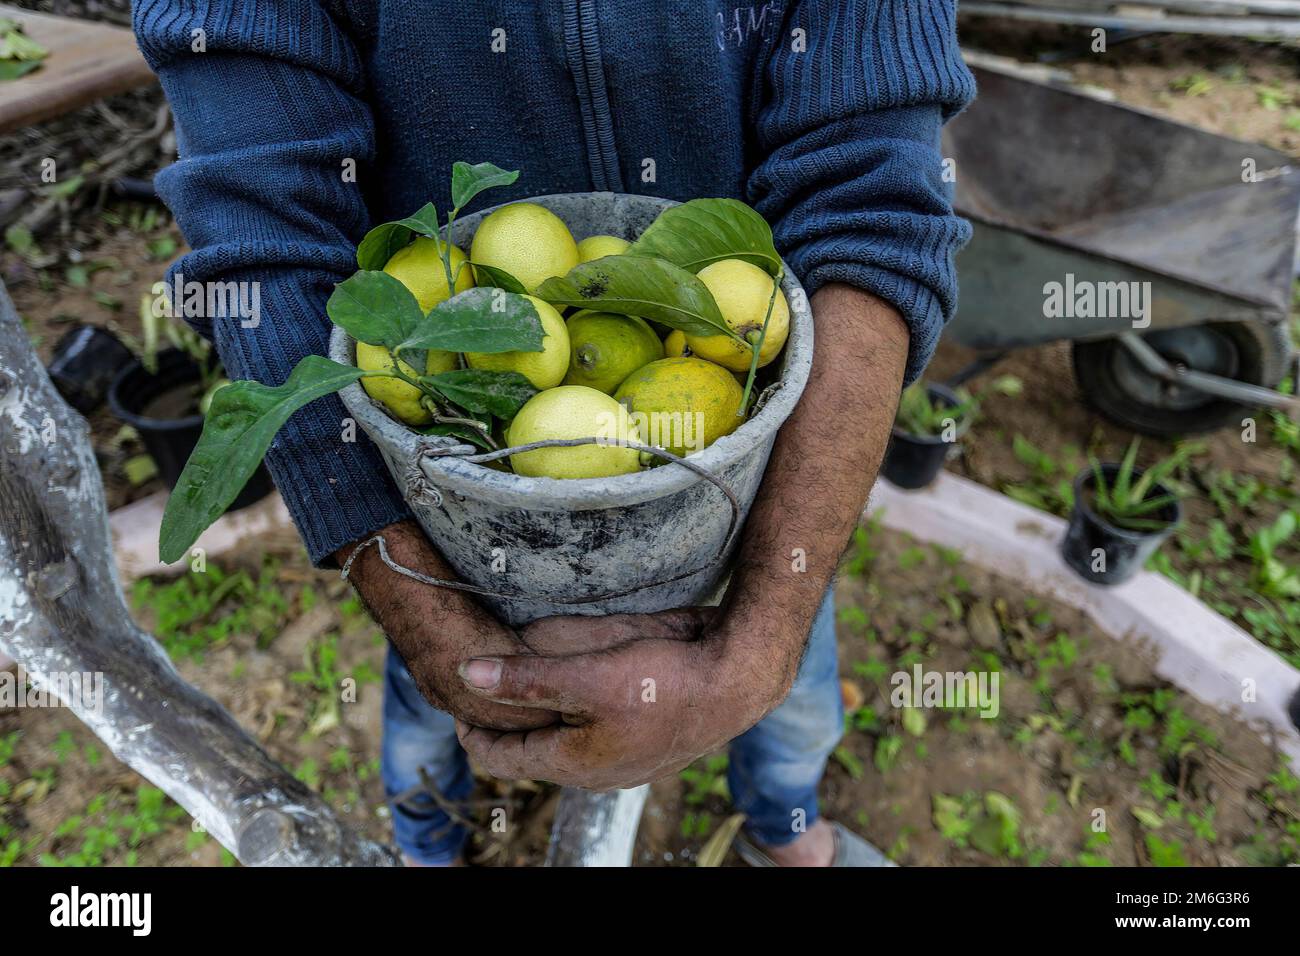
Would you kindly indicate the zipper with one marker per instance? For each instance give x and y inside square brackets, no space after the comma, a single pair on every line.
[582,45]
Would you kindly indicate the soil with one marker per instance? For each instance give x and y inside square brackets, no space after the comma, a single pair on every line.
[1084,732]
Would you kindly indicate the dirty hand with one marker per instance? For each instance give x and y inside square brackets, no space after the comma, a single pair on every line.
[435,629]
[632,712]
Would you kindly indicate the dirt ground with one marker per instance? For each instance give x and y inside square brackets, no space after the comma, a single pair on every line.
[1090,759]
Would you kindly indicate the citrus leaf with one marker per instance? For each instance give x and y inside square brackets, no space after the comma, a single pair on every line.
[650,288]
[468,181]
[463,432]
[491,276]
[375,308]
[479,320]
[382,241]
[704,231]
[715,851]
[239,427]
[484,392]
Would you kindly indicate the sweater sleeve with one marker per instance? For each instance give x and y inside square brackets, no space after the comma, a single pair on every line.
[849,169]
[269,108]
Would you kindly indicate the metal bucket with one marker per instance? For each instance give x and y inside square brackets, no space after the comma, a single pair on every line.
[567,546]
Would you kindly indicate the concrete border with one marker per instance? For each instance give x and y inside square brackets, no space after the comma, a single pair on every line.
[135,533]
[1195,648]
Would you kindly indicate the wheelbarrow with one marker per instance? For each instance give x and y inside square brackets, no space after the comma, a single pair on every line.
[1176,245]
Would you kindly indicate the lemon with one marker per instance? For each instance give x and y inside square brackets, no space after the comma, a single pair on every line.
[527,241]
[419,267]
[597,247]
[545,369]
[401,399]
[573,411]
[675,345]
[682,404]
[607,348]
[742,291]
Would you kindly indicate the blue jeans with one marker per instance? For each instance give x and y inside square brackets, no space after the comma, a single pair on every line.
[773,772]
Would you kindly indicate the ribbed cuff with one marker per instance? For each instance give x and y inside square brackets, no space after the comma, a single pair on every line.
[919,307]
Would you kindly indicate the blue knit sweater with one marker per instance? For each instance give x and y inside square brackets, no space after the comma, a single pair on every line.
[823,114]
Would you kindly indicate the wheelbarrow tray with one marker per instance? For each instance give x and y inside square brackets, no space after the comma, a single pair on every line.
[1058,182]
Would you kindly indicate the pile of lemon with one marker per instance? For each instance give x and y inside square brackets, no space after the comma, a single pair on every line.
[599,374]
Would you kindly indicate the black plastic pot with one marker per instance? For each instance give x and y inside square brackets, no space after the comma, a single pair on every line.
[136,397]
[86,360]
[913,461]
[1125,551]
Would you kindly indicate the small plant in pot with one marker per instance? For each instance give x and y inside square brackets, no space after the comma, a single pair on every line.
[165,392]
[931,419]
[1122,514]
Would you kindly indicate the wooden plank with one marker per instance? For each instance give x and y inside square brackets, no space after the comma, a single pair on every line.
[1278,8]
[87,62]
[1252,26]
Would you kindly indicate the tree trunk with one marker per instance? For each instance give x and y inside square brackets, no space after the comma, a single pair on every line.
[62,613]
[596,829]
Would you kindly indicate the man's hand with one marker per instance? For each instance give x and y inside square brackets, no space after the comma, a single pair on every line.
[436,629]
[632,713]
[708,691]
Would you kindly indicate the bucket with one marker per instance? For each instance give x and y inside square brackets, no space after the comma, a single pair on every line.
[1125,550]
[914,461]
[629,544]
[170,440]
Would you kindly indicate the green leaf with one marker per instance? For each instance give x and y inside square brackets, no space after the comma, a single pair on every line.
[13,69]
[382,241]
[375,308]
[468,181]
[701,232]
[491,276]
[463,432]
[486,393]
[243,419]
[479,320]
[638,285]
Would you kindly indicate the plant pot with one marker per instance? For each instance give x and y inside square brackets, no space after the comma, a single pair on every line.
[913,461]
[157,407]
[1125,550]
[86,360]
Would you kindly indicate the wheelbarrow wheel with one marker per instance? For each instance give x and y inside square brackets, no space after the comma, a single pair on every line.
[1119,388]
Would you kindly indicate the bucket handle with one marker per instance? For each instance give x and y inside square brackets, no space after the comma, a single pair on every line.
[470,453]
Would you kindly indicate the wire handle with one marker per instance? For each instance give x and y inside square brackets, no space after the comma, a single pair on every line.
[471,454]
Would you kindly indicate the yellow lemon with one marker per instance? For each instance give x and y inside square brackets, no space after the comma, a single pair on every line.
[597,247]
[682,404]
[527,241]
[401,399]
[607,348]
[419,267]
[573,411]
[742,291]
[545,369]
[675,345]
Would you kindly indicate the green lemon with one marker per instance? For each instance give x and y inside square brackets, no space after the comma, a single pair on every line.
[401,399]
[606,348]
[545,369]
[682,404]
[527,241]
[742,291]
[597,247]
[419,267]
[573,411]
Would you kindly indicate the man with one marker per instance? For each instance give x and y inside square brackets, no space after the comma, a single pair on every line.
[823,114]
